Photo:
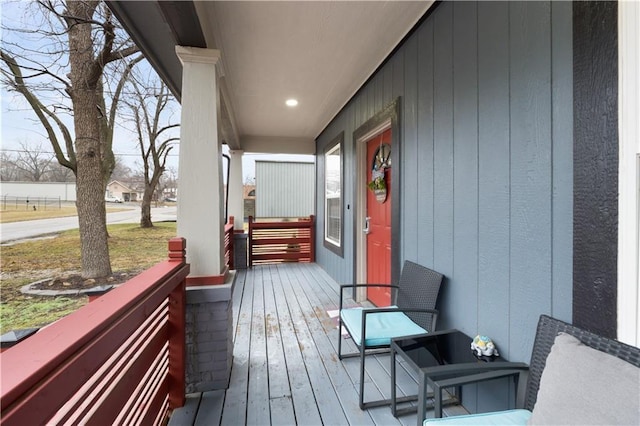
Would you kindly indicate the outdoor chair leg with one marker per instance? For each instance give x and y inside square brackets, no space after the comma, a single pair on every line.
[339,338]
[382,402]
[362,377]
[369,404]
[342,356]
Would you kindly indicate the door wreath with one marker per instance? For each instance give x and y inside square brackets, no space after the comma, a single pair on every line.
[379,163]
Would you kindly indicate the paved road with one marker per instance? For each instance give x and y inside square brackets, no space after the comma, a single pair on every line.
[34,228]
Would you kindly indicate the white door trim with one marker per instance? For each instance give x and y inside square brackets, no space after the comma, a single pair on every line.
[629,172]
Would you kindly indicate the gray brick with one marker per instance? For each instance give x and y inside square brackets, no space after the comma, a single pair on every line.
[219,326]
[221,356]
[203,357]
[209,345]
[203,316]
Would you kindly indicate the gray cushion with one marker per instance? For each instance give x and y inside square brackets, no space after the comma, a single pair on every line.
[580,386]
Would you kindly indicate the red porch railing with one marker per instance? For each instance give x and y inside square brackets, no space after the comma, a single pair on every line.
[275,242]
[228,243]
[117,360]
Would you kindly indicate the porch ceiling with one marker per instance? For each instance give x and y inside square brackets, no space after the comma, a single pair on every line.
[319,53]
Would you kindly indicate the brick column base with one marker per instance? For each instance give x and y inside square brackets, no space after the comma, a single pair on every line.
[209,336]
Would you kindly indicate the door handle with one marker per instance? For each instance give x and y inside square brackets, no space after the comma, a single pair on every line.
[366,225]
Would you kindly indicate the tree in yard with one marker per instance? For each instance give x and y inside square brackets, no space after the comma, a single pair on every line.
[59,173]
[34,162]
[80,45]
[151,112]
[8,170]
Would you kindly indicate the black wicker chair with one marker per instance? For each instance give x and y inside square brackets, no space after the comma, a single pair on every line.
[412,312]
[548,329]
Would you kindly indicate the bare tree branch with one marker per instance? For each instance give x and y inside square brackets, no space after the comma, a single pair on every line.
[40,72]
[165,128]
[72,19]
[121,54]
[41,112]
[33,162]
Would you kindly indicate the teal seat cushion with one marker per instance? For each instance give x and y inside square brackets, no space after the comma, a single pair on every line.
[381,327]
[509,417]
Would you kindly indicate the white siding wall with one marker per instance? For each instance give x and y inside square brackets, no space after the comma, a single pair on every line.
[66,191]
[284,189]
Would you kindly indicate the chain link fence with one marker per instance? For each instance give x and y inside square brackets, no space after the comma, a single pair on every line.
[11,202]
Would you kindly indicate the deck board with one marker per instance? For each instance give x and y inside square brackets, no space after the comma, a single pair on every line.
[258,395]
[187,414]
[286,369]
[326,334]
[319,325]
[210,408]
[306,408]
[328,403]
[234,410]
[280,399]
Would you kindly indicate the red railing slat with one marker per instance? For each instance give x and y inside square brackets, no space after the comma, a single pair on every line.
[106,390]
[286,241]
[228,243]
[46,371]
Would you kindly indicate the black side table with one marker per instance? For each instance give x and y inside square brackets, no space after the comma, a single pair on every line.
[444,359]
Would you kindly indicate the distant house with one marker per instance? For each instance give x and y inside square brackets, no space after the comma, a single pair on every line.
[120,190]
[170,192]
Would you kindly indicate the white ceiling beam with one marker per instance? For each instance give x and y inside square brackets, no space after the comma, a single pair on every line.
[277,145]
[229,126]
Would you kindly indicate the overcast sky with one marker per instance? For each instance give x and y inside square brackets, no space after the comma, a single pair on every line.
[19,124]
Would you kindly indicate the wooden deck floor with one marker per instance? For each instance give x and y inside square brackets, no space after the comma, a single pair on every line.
[285,366]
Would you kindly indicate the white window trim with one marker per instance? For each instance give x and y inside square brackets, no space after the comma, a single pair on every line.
[629,172]
[336,145]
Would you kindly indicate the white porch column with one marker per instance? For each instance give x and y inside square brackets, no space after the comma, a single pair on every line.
[200,201]
[629,172]
[236,188]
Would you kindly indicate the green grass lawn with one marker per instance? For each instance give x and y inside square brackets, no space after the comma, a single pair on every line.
[131,248]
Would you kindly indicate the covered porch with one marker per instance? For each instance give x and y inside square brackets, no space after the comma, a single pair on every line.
[514,168]
[505,157]
[285,365]
[504,147]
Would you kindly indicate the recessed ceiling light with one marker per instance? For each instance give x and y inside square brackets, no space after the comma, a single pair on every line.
[291,102]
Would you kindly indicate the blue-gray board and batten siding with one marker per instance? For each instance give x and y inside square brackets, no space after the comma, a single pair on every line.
[486,166]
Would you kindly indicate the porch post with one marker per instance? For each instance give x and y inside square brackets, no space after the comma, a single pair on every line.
[200,210]
[236,188]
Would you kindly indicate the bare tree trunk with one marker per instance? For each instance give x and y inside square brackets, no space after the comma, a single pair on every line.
[85,73]
[145,217]
[90,189]
[149,189]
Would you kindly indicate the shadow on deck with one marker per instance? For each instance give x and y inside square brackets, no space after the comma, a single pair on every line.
[285,365]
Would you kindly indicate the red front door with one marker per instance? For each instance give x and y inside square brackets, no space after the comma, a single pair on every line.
[379,218]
